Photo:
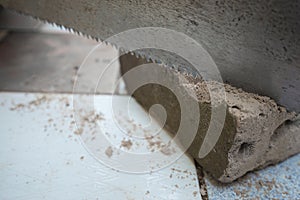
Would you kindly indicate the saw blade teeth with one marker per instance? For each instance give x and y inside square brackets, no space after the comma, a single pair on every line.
[152,60]
[115,47]
[98,40]
[121,49]
[147,59]
[158,61]
[182,69]
[76,32]
[106,43]
[109,44]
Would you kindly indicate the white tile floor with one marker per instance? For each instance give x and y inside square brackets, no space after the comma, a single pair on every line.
[42,157]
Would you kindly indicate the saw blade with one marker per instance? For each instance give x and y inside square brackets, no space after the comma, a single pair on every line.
[256,45]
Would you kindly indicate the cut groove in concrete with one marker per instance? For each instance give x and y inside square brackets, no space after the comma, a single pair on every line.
[201,180]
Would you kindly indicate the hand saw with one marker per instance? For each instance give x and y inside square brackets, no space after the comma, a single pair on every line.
[255,44]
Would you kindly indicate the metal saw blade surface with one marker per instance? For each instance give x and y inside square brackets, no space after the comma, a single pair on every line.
[255,45]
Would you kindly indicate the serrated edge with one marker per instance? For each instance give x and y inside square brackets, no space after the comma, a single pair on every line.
[74,31]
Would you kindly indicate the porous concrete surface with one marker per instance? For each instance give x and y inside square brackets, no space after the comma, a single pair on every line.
[257,132]
[265,133]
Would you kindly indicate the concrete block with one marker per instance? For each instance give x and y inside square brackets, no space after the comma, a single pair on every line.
[257,132]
